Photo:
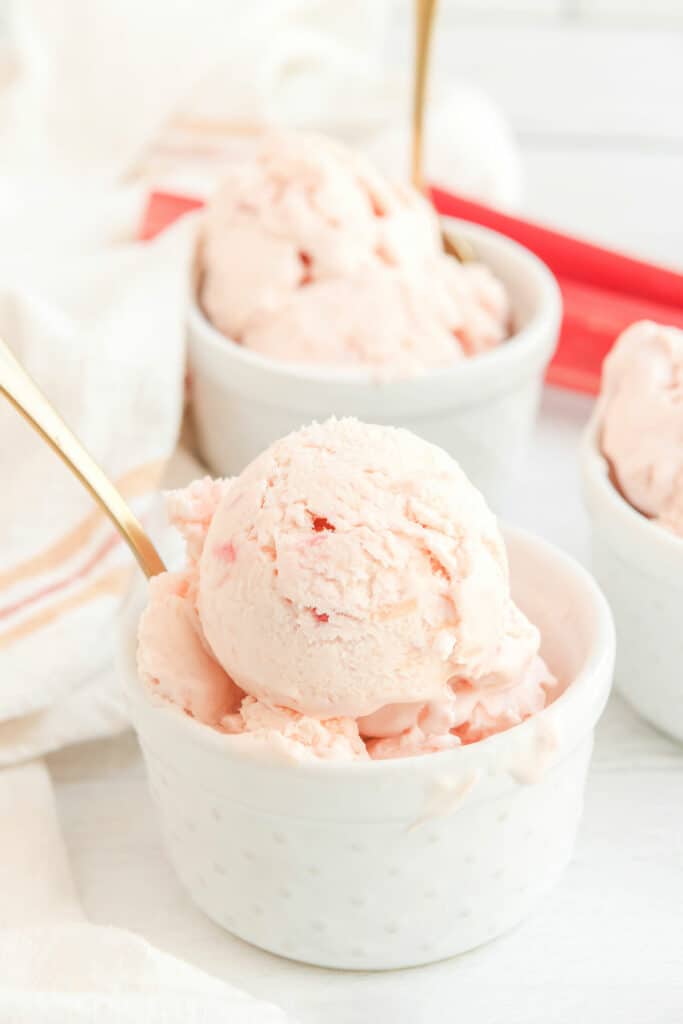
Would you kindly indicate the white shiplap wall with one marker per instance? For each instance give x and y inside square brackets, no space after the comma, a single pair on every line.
[594,90]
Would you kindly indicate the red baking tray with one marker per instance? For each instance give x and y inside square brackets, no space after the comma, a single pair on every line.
[602,291]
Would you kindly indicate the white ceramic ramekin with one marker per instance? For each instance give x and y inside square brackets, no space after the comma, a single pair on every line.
[481,411]
[389,863]
[640,567]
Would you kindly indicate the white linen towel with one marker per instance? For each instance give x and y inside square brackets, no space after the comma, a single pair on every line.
[108,350]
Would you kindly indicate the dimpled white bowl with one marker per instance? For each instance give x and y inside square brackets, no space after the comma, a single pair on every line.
[386,864]
[481,411]
[640,567]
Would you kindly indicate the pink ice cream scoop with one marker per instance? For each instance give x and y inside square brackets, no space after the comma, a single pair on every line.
[351,590]
[175,657]
[309,255]
[641,411]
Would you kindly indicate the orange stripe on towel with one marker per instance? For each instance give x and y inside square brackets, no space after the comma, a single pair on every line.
[134,483]
[111,541]
[111,582]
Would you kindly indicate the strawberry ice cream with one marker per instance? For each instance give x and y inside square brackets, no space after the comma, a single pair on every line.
[308,255]
[642,420]
[346,596]
[175,656]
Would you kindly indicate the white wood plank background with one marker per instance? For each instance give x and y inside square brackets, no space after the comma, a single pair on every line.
[594,91]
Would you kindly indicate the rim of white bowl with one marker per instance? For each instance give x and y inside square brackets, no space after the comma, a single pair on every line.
[582,701]
[599,489]
[536,337]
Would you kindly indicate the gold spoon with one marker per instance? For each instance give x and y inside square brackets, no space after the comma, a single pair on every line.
[425,11]
[25,396]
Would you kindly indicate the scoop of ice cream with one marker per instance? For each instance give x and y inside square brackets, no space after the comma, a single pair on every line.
[192,509]
[470,713]
[346,596]
[485,710]
[300,736]
[308,254]
[641,412]
[375,317]
[414,742]
[351,566]
[300,209]
[518,685]
[387,319]
[173,656]
[481,302]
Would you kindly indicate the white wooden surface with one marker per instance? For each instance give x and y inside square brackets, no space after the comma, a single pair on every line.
[606,946]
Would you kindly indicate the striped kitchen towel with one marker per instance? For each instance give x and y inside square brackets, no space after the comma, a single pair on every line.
[105,342]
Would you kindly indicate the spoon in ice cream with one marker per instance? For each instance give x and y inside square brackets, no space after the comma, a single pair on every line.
[26,397]
[425,11]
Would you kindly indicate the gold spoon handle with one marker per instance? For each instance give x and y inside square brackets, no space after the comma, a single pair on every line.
[424,23]
[26,397]
[425,11]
